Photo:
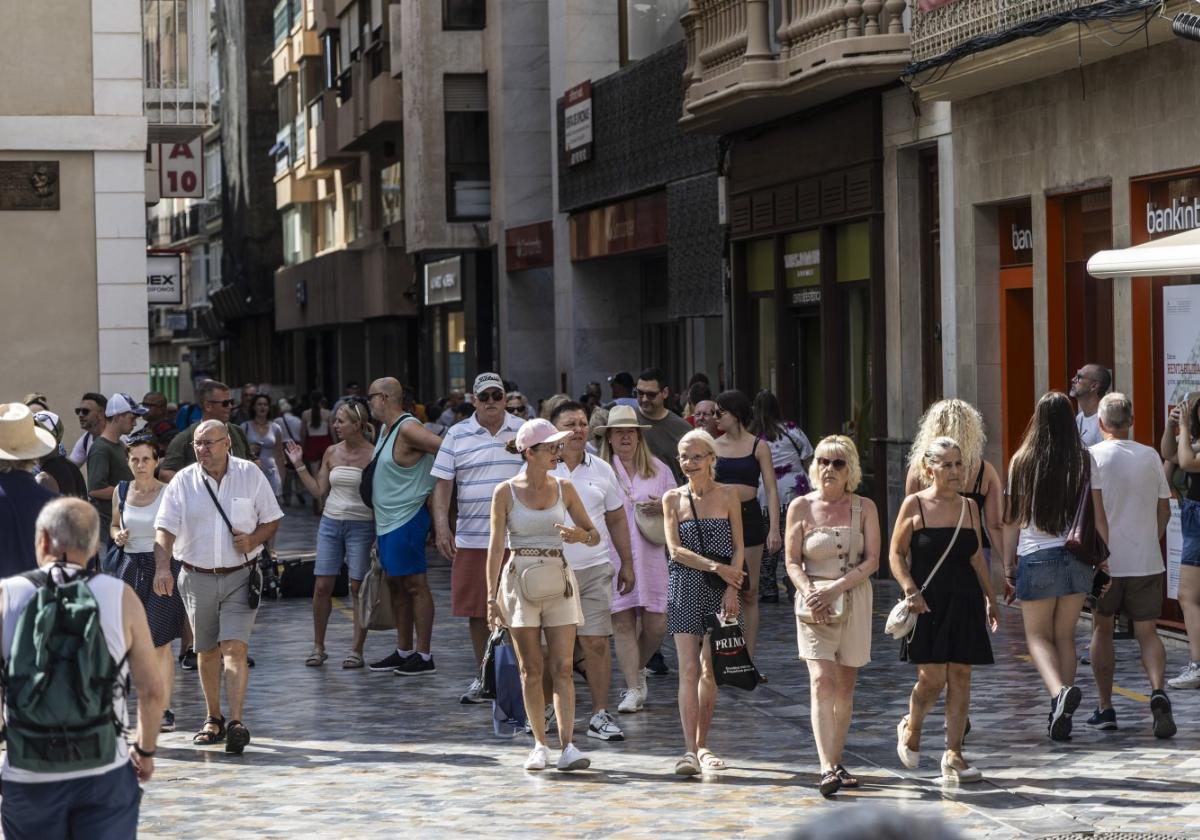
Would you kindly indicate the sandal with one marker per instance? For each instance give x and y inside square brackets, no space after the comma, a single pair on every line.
[844,777]
[316,658]
[830,783]
[687,766]
[709,760]
[353,660]
[238,737]
[206,737]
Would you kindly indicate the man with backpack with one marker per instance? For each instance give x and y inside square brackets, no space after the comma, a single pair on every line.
[68,771]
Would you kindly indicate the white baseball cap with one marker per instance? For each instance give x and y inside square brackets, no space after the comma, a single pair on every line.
[485,381]
[123,404]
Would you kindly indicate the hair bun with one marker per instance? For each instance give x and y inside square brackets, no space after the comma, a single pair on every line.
[511,448]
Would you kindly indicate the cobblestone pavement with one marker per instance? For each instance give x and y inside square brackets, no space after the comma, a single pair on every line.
[358,754]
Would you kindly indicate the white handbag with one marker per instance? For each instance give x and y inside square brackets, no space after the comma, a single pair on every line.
[901,621]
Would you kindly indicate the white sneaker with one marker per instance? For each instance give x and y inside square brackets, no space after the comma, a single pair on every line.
[539,757]
[1189,677]
[604,727]
[631,701]
[550,720]
[573,759]
[473,692]
[643,687]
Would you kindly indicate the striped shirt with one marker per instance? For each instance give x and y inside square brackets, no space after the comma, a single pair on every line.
[476,461]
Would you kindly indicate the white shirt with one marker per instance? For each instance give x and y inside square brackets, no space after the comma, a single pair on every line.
[1133,478]
[81,450]
[596,484]
[1089,428]
[201,536]
[476,461]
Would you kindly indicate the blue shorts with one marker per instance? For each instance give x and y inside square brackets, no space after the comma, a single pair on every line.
[1189,518]
[1052,573]
[103,807]
[402,550]
[344,539]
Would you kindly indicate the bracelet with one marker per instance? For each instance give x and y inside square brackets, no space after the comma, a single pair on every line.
[492,601]
[137,748]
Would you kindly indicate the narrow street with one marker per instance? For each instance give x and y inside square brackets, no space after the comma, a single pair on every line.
[354,753]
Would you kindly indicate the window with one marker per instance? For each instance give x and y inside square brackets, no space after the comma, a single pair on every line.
[291,236]
[649,25]
[283,22]
[391,193]
[216,251]
[354,219]
[165,43]
[325,236]
[212,171]
[468,170]
[331,57]
[464,14]
[198,277]
[214,81]
[760,283]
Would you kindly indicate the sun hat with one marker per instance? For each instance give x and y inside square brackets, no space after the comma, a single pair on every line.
[20,438]
[123,404]
[622,417]
[484,381]
[36,397]
[51,422]
[533,432]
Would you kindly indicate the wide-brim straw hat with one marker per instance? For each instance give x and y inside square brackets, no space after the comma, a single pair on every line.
[20,438]
[622,417]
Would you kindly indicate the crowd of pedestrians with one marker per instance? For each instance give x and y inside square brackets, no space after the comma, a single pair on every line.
[586,526]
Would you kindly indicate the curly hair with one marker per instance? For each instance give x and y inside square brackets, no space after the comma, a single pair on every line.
[955,419]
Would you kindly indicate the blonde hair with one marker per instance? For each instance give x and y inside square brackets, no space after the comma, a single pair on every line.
[357,412]
[955,419]
[704,439]
[643,461]
[837,446]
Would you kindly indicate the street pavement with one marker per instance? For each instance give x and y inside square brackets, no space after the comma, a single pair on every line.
[340,753]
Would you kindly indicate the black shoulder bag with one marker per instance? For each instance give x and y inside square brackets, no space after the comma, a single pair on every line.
[366,486]
[255,584]
[115,556]
[712,577]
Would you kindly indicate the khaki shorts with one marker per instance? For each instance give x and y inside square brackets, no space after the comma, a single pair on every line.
[1139,597]
[849,641]
[217,608]
[596,597]
[552,612]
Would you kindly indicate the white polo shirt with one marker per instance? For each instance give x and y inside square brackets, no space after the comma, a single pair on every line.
[596,484]
[1131,480]
[201,536]
[476,461]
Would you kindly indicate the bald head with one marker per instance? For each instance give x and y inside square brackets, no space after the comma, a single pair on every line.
[209,426]
[70,527]
[386,399]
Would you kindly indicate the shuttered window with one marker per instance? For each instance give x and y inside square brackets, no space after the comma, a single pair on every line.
[466,92]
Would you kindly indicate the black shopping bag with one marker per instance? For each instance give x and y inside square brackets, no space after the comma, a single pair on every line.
[731,661]
[487,673]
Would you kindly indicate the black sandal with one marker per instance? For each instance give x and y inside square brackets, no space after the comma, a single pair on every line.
[238,738]
[844,777]
[205,737]
[830,783]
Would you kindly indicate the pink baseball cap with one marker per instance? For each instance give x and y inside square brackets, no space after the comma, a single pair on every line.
[533,432]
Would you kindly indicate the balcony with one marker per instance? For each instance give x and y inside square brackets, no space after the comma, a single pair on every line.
[741,73]
[324,154]
[968,47]
[367,103]
[175,95]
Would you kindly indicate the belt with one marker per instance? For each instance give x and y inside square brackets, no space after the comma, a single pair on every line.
[537,552]
[220,570]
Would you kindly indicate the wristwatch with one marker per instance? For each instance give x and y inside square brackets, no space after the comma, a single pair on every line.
[143,753]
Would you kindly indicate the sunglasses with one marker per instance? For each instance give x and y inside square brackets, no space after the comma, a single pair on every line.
[490,396]
[516,409]
[649,395]
[546,447]
[836,463]
[719,413]
[226,403]
[83,412]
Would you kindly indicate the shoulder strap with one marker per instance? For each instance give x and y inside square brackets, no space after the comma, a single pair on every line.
[696,519]
[783,430]
[855,527]
[979,479]
[953,539]
[921,507]
[220,510]
[386,438]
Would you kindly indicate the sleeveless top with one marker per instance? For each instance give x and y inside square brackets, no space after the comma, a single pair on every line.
[344,502]
[743,470]
[979,499]
[830,547]
[532,528]
[108,592]
[140,523]
[398,493]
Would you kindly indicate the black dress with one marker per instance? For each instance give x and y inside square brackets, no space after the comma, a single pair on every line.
[955,630]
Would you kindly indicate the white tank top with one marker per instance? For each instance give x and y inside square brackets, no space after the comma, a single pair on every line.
[140,523]
[108,592]
[344,501]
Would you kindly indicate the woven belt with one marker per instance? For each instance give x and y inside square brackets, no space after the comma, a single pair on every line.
[537,552]
[220,570]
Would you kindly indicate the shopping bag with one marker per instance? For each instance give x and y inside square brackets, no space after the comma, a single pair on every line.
[374,599]
[508,709]
[731,660]
[487,671]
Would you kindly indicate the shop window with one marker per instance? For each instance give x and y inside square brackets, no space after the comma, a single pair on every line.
[1087,221]
[464,14]
[648,26]
[468,168]
[853,252]
[456,349]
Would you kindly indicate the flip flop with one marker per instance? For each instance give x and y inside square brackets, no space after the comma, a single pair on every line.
[353,660]
[709,760]
[316,658]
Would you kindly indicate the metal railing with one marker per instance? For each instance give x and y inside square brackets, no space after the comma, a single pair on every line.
[937,31]
[175,65]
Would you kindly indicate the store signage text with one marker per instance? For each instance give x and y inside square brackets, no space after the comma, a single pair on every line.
[1179,216]
[635,224]
[805,263]
[164,279]
[1022,239]
[529,246]
[805,297]
[577,123]
[443,281]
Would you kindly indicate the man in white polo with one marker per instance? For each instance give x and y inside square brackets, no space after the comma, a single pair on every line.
[218,559]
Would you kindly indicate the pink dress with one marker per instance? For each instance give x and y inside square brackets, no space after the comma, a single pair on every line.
[649,560]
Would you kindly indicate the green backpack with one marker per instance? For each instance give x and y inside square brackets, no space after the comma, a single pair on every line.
[59,681]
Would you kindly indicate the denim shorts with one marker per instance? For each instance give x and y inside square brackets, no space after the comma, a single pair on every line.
[1189,518]
[1052,573]
[344,539]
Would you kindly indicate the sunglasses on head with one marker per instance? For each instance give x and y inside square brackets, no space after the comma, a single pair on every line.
[836,463]
[490,396]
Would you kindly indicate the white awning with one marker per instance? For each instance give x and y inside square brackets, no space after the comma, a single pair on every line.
[1171,255]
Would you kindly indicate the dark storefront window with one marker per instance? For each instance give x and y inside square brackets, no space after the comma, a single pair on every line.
[1089,324]
[854,303]
[468,168]
[464,14]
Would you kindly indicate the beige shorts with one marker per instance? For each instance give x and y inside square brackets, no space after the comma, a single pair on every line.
[849,641]
[552,612]
[596,597]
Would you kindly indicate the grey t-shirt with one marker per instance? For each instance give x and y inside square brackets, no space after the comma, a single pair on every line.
[663,439]
[108,464]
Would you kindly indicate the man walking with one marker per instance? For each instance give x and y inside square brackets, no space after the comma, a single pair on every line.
[215,404]
[46,793]
[400,489]
[214,518]
[600,493]
[91,419]
[473,458]
[665,428]
[156,423]
[1129,485]
[108,463]
[1088,385]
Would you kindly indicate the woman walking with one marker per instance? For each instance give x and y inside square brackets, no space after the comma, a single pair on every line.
[640,616]
[347,527]
[703,520]
[1181,445]
[937,558]
[742,462]
[133,530]
[832,551]
[315,437]
[1046,478]
[265,438]
[791,454]
[535,593]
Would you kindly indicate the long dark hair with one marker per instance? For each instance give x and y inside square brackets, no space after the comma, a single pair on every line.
[316,401]
[768,416]
[737,404]
[1046,474]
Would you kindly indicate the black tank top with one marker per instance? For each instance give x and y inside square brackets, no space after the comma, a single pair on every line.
[979,498]
[743,470]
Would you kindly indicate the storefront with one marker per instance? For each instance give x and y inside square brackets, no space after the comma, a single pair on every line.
[458,321]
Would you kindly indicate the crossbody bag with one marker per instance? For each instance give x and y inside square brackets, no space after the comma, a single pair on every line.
[902,621]
[713,578]
[366,485]
[255,584]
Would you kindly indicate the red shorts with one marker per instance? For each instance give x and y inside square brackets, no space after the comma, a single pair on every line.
[468,583]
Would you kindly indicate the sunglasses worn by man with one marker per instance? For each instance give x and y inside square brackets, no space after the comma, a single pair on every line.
[490,396]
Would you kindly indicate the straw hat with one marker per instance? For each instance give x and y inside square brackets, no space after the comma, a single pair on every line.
[20,438]
[622,417]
